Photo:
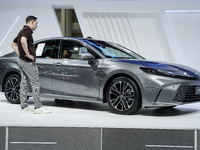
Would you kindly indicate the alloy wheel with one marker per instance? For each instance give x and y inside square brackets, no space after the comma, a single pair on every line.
[11,89]
[123,96]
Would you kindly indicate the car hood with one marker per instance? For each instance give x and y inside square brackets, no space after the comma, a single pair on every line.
[176,69]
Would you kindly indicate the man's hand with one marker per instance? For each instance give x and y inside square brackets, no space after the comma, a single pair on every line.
[30,57]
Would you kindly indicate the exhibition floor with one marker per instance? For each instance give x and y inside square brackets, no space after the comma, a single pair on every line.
[87,114]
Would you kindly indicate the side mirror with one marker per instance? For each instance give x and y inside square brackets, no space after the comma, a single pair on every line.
[85,56]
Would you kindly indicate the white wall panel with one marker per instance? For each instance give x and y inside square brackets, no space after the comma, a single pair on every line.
[47,23]
[149,40]
[110,28]
[140,32]
[186,30]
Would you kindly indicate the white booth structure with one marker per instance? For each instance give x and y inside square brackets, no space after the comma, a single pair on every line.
[161,30]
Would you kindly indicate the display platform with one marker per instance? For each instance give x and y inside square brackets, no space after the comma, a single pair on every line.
[87,125]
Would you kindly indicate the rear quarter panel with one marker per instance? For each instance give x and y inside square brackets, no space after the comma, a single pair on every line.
[8,65]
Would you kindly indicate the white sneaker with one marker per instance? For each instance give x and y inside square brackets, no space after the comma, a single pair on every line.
[27,109]
[41,110]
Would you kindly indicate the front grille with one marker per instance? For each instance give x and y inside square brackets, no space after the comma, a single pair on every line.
[187,94]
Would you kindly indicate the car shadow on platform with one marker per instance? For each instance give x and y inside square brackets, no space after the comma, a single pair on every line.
[98,106]
[176,111]
[78,105]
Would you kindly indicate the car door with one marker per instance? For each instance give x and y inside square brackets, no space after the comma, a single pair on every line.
[46,52]
[72,76]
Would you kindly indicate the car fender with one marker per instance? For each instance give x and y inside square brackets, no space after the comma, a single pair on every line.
[114,74]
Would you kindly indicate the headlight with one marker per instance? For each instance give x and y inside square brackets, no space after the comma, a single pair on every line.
[168,73]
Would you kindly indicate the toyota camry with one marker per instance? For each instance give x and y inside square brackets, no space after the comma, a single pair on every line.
[95,70]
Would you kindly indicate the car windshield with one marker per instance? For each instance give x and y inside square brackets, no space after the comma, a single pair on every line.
[112,50]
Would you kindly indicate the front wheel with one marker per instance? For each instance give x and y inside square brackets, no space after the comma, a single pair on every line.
[123,96]
[11,89]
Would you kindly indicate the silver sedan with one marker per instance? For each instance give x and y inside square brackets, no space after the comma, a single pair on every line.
[95,70]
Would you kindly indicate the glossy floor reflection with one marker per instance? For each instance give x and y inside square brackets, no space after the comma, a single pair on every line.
[87,114]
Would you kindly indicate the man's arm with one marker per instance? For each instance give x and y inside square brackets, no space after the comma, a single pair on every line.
[15,47]
[25,47]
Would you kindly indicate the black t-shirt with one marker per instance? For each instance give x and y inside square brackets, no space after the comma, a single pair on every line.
[25,32]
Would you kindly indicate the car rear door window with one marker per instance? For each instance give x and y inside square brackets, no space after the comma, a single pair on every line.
[47,49]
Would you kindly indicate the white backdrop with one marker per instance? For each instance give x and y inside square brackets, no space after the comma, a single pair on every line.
[185,27]
[167,30]
[157,33]
[12,20]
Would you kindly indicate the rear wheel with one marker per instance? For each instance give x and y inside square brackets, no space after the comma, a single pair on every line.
[11,89]
[123,96]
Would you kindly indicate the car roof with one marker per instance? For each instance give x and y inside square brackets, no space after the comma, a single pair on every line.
[63,38]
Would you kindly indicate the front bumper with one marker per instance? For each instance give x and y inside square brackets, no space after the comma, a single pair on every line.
[179,94]
[161,91]
[188,93]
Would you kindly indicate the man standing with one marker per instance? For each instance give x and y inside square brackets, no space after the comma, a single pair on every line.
[23,46]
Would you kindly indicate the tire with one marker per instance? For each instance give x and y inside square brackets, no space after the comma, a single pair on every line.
[11,89]
[123,96]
